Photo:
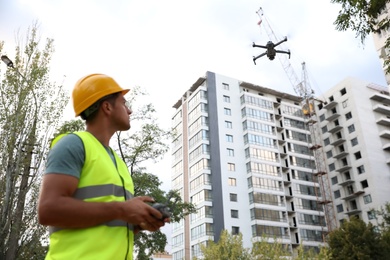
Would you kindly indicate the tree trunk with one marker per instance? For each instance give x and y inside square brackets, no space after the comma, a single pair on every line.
[23,189]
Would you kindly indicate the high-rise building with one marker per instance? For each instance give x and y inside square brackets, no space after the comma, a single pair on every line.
[380,40]
[355,123]
[242,156]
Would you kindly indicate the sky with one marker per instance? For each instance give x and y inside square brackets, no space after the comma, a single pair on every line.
[165,46]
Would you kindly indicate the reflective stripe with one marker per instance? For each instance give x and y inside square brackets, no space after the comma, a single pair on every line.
[100,191]
[112,223]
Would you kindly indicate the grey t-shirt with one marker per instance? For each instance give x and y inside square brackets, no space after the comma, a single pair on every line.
[68,156]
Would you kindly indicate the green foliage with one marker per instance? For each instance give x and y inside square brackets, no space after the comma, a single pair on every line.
[310,253]
[148,243]
[228,247]
[264,249]
[30,108]
[231,247]
[363,17]
[70,126]
[356,240]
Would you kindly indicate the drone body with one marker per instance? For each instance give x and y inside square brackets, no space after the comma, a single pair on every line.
[270,50]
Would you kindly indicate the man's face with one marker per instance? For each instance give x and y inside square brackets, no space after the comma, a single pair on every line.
[121,115]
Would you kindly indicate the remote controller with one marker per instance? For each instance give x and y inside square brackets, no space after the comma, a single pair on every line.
[164,209]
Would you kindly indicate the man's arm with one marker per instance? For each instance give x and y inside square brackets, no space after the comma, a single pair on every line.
[57,207]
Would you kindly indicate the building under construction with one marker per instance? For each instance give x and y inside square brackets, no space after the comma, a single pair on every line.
[245,155]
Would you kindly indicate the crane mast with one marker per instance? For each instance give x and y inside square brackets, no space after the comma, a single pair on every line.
[303,89]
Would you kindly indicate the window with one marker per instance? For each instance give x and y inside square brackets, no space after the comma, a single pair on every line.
[234,213]
[354,141]
[235,230]
[332,167]
[329,154]
[345,103]
[344,161]
[340,208]
[347,175]
[367,199]
[371,214]
[361,169]
[233,197]
[227,111]
[324,129]
[358,155]
[343,91]
[326,141]
[228,124]
[334,180]
[226,99]
[230,152]
[348,115]
[225,86]
[364,184]
[232,182]
[337,194]
[322,117]
[231,167]
[229,138]
[350,189]
[351,128]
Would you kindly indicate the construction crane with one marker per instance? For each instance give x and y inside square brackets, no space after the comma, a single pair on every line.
[303,89]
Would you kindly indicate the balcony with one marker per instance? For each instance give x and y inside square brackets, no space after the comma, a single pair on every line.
[386,147]
[353,212]
[334,129]
[382,98]
[385,134]
[353,195]
[346,182]
[330,105]
[382,109]
[341,155]
[332,117]
[338,141]
[279,129]
[383,121]
[344,168]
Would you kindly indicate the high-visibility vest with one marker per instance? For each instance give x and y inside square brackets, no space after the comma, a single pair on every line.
[100,181]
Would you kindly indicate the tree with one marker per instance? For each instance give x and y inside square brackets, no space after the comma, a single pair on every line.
[264,249]
[383,217]
[30,106]
[364,17]
[356,239]
[228,247]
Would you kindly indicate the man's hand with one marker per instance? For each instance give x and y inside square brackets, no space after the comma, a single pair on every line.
[143,216]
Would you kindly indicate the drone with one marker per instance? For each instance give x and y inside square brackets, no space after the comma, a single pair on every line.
[270,52]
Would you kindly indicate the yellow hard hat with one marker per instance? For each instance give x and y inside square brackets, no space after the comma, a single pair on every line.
[91,88]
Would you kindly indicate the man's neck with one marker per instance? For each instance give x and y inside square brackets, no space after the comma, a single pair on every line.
[100,133]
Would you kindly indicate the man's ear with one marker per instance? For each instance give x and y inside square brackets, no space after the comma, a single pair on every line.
[106,107]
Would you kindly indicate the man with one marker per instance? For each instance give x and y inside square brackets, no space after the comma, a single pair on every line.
[87,191]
